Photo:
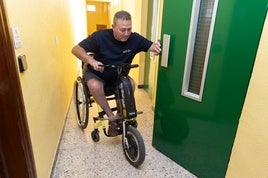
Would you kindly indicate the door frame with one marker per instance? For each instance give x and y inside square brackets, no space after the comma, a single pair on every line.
[16,154]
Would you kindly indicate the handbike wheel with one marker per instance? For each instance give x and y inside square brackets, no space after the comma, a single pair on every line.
[81,102]
[133,146]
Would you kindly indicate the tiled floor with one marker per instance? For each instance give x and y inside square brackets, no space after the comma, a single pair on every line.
[78,156]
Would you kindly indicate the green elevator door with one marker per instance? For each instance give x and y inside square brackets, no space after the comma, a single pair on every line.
[199,135]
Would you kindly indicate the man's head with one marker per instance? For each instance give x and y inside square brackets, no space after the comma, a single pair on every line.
[122,25]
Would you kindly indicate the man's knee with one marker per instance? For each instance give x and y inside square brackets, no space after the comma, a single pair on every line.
[94,85]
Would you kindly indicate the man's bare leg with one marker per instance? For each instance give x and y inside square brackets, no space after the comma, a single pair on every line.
[97,91]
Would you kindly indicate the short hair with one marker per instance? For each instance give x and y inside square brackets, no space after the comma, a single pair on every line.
[123,15]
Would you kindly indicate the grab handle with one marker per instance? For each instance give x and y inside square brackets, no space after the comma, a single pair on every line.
[165,50]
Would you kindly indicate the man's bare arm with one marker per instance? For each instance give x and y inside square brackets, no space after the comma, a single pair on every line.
[81,54]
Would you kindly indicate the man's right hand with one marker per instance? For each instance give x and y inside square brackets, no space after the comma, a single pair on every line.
[96,65]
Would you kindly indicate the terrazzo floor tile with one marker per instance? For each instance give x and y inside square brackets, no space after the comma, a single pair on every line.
[80,157]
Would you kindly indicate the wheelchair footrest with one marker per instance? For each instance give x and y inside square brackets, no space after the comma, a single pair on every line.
[139,112]
[100,123]
[100,118]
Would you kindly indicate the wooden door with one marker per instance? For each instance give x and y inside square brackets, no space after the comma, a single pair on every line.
[16,155]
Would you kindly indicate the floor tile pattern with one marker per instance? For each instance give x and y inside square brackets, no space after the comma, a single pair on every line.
[78,156]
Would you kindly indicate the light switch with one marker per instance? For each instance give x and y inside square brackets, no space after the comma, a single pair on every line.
[16,37]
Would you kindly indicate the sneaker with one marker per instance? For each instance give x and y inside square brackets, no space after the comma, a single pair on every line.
[113,129]
[113,126]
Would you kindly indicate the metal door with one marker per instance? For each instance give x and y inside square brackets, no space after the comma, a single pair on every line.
[198,132]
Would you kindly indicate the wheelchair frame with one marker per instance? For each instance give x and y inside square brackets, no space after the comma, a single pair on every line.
[132,141]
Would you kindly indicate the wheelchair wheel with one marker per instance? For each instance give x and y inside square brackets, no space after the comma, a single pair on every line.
[95,135]
[133,146]
[82,103]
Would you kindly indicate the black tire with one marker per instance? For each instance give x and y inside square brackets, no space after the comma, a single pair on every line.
[134,151]
[95,135]
[81,103]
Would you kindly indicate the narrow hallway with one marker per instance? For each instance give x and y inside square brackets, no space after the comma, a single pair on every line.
[79,156]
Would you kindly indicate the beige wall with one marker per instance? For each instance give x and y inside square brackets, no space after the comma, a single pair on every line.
[47,35]
[250,152]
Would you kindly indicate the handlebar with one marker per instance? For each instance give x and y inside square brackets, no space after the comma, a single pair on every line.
[120,66]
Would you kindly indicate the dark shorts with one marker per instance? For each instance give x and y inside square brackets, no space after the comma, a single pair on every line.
[89,75]
[109,82]
[109,88]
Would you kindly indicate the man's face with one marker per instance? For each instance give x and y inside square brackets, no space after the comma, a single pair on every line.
[122,30]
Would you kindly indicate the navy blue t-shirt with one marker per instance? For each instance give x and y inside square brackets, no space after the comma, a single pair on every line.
[108,50]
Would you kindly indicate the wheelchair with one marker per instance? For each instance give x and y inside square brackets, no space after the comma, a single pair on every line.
[132,141]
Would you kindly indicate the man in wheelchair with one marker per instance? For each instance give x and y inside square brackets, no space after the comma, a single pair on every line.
[111,46]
